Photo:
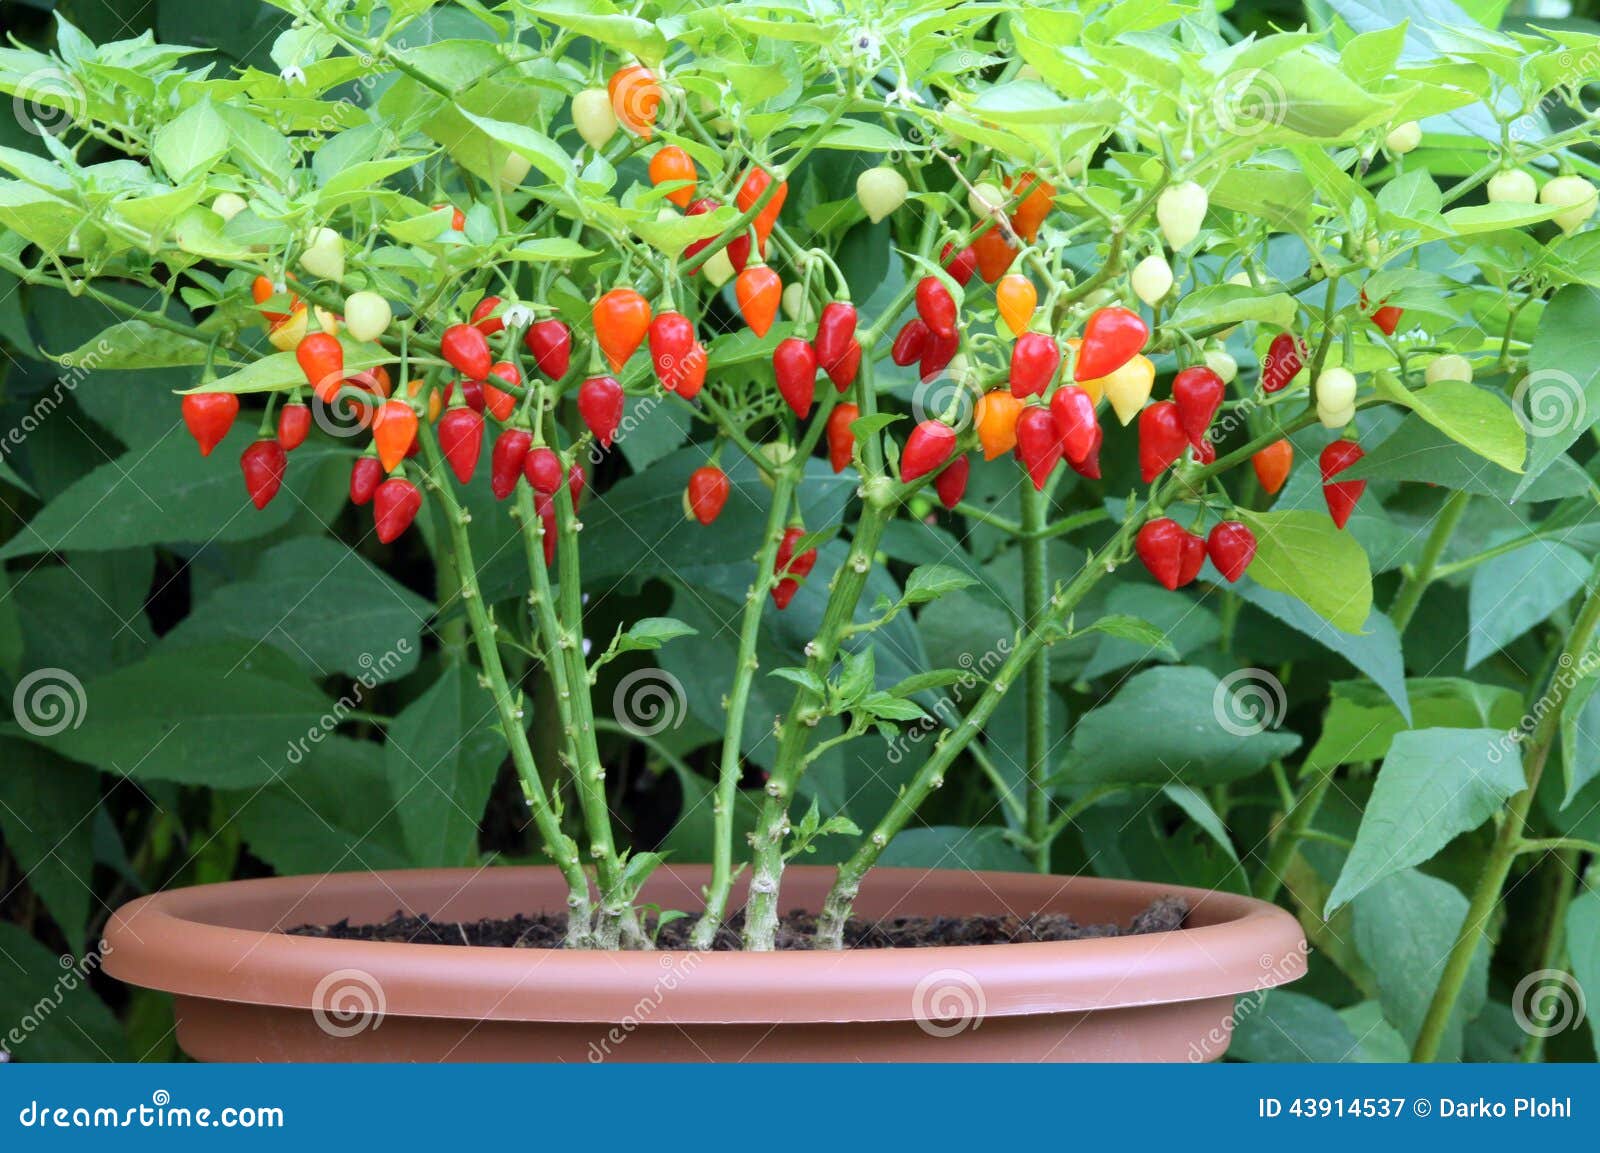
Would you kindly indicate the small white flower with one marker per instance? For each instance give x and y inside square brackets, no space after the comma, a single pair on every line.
[517,316]
[867,46]
[293,75]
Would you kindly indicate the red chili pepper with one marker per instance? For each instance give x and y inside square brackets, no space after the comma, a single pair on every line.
[1386,317]
[263,464]
[927,448]
[208,416]
[841,441]
[621,319]
[793,569]
[1232,546]
[759,292]
[708,492]
[366,474]
[1073,410]
[750,191]
[1035,360]
[994,254]
[1111,338]
[466,350]
[542,467]
[576,479]
[483,321]
[472,393]
[549,342]
[1198,394]
[961,264]
[672,163]
[393,432]
[909,342]
[505,460]
[321,358]
[1205,452]
[1161,439]
[671,341]
[1341,495]
[1160,548]
[461,441]
[1285,358]
[838,352]
[1034,201]
[1038,443]
[394,506]
[693,377]
[1191,558]
[794,362]
[497,400]
[951,484]
[938,352]
[600,406]
[294,425]
[936,306]
[1089,467]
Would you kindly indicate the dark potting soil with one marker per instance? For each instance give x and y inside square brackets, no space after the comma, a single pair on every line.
[548,930]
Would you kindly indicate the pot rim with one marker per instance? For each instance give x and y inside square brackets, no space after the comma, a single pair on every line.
[217,942]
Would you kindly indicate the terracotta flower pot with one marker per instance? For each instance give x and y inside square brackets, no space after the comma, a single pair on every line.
[248,993]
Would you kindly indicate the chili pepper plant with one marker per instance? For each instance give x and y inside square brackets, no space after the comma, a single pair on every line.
[948,374]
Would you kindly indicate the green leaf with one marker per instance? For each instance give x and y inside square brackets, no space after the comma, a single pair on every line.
[1219,305]
[190,144]
[227,715]
[1134,630]
[135,344]
[603,24]
[1434,785]
[1362,721]
[550,248]
[931,581]
[1418,451]
[1583,945]
[170,493]
[983,848]
[1405,926]
[441,758]
[1285,1026]
[1318,100]
[332,813]
[1477,218]
[77,1027]
[325,606]
[1559,399]
[651,633]
[281,372]
[1475,417]
[47,811]
[1166,724]
[1511,594]
[1580,737]
[1304,554]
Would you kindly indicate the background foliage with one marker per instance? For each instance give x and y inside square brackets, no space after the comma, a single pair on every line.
[216,640]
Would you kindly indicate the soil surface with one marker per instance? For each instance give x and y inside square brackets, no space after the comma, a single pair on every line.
[548,930]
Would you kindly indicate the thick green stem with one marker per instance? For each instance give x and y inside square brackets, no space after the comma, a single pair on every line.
[1508,842]
[731,768]
[541,599]
[1036,725]
[1293,830]
[761,910]
[557,844]
[1564,884]
[1416,583]
[615,914]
